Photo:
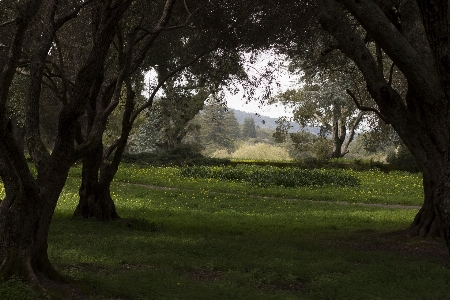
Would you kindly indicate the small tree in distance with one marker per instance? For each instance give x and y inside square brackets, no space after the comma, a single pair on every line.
[249,128]
[218,127]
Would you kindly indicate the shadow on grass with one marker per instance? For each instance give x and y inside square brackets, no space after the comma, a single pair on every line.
[240,249]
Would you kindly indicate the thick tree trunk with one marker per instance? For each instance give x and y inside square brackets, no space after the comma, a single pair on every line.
[335,132]
[95,196]
[427,222]
[96,201]
[98,173]
[421,118]
[24,226]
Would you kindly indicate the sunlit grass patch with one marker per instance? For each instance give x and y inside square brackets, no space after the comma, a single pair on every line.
[374,186]
[268,176]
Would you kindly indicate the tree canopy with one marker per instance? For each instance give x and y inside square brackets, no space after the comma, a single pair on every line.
[218,127]
[87,73]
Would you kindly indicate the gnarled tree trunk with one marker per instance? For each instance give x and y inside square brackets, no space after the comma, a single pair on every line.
[95,196]
[23,244]
[26,212]
[427,222]
[98,172]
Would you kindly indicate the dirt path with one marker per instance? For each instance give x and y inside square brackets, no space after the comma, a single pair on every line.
[391,206]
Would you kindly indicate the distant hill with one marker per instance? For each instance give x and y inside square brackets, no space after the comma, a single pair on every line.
[266,122]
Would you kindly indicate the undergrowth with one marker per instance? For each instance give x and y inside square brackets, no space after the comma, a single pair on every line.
[273,176]
[15,289]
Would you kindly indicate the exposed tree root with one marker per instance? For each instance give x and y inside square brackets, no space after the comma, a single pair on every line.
[425,224]
[16,266]
[99,205]
[32,271]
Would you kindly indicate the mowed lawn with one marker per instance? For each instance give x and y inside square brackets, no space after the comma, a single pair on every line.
[191,238]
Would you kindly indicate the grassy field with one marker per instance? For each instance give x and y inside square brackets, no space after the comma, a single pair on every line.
[206,238]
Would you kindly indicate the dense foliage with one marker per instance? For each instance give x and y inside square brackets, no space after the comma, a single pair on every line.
[403,159]
[183,155]
[249,128]
[218,127]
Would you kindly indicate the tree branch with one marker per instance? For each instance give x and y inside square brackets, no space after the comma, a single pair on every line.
[366,108]
[162,81]
[320,119]
[7,74]
[351,133]
[390,103]
[7,23]
[186,7]
[391,74]
[379,54]
[330,49]
[36,146]
[67,85]
[61,21]
[408,60]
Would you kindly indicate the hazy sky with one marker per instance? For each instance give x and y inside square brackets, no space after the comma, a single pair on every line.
[266,62]
[277,66]
[273,111]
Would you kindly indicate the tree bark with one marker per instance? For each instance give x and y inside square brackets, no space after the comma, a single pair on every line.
[427,223]
[336,131]
[98,172]
[23,243]
[26,213]
[95,196]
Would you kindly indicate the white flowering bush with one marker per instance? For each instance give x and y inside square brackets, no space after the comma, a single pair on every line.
[261,151]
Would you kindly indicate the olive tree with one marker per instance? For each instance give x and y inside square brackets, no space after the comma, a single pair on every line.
[87,71]
[415,36]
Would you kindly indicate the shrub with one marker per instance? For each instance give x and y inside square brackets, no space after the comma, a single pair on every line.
[272,176]
[14,288]
[221,153]
[322,148]
[403,160]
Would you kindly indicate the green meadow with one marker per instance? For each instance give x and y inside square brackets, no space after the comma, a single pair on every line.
[197,234]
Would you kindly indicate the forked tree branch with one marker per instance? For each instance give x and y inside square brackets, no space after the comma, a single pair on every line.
[61,21]
[162,81]
[415,68]
[366,108]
